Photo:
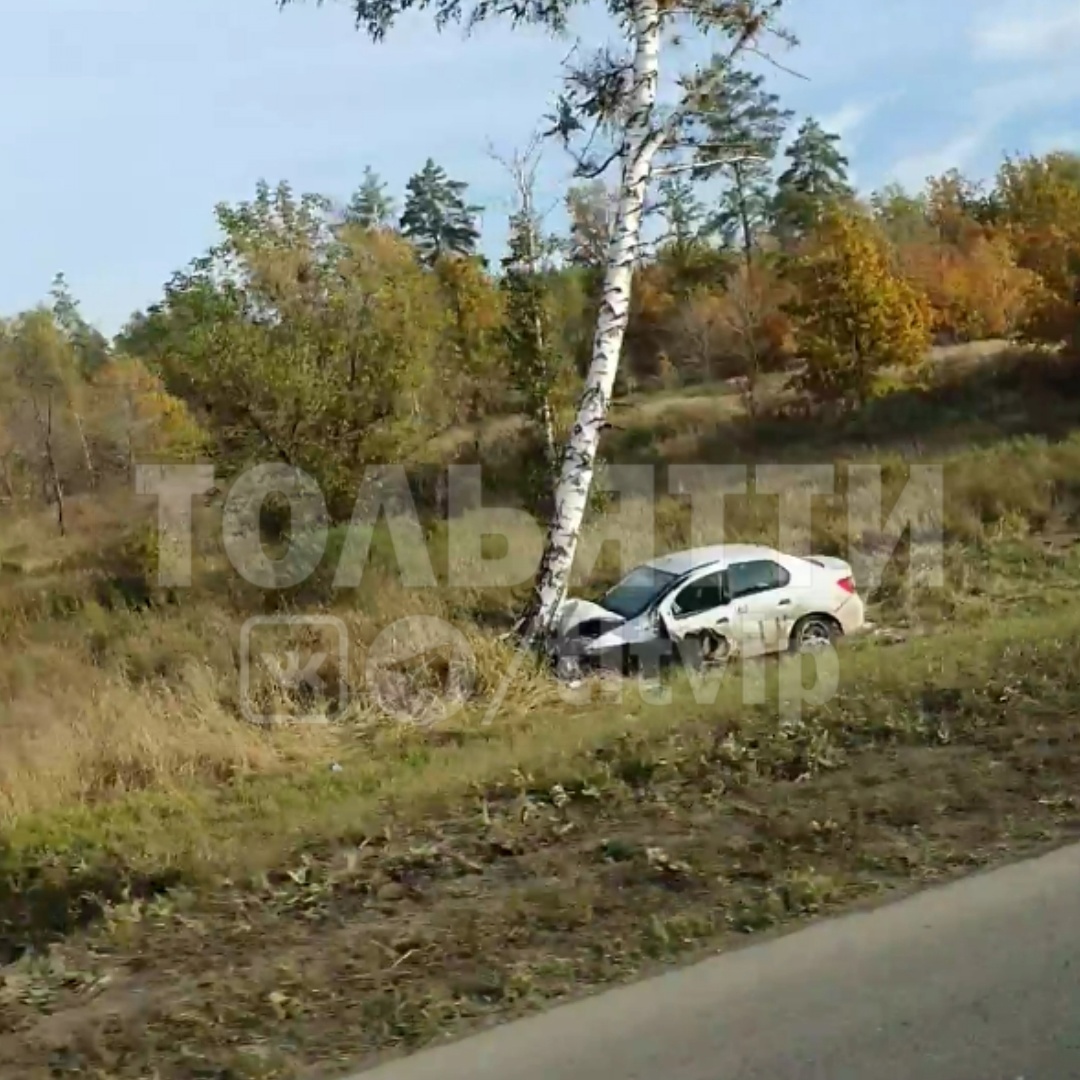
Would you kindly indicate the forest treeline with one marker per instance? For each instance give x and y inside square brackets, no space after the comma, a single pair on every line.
[335,335]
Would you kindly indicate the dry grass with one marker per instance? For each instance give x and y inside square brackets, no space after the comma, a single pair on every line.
[98,698]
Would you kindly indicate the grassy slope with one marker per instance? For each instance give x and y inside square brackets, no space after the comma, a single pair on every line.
[450,879]
[448,875]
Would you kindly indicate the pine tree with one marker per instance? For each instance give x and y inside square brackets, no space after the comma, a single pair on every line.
[815,180]
[436,217]
[683,212]
[370,207]
[90,345]
[743,125]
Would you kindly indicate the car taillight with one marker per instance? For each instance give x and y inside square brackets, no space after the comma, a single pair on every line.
[847,584]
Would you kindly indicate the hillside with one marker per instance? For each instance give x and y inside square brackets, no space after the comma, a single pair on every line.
[188,893]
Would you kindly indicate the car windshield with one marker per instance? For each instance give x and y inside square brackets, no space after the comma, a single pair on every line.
[637,591]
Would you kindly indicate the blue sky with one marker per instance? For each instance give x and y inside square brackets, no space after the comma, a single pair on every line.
[126,120]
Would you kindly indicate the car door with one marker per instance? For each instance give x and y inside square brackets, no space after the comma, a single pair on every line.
[762,606]
[698,605]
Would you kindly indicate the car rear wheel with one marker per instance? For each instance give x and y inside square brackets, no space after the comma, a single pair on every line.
[812,633]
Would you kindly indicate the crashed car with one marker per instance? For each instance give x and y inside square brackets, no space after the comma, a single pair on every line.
[709,604]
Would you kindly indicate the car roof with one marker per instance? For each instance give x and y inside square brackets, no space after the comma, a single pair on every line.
[682,562]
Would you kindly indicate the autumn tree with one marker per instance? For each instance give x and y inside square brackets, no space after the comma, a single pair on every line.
[1038,201]
[814,182]
[474,334]
[436,216]
[975,290]
[140,419]
[902,217]
[651,308]
[42,378]
[855,316]
[319,347]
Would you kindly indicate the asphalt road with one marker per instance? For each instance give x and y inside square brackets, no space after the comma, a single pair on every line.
[977,980]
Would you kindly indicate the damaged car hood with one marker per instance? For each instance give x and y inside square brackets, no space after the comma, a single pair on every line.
[576,611]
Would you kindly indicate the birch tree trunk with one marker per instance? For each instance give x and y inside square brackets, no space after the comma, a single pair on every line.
[84,443]
[579,459]
[551,450]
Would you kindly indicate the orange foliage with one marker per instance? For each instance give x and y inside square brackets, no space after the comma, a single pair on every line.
[652,305]
[976,291]
[741,330]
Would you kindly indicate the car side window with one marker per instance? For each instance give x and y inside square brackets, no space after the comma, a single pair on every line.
[702,595]
[759,576]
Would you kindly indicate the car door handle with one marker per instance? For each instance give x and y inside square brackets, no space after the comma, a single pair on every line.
[782,603]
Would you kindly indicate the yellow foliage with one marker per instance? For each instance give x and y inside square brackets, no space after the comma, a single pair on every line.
[855,315]
[476,317]
[138,414]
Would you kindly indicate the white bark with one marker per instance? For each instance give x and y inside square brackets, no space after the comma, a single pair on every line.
[551,450]
[641,143]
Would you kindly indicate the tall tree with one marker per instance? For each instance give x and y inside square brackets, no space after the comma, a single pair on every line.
[616,92]
[322,347]
[743,124]
[370,206]
[815,180]
[43,368]
[436,216]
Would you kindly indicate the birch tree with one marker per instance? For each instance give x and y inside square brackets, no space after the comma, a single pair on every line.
[613,99]
[618,95]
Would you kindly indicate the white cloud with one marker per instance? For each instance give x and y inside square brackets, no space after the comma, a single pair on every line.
[913,170]
[1034,32]
[990,109]
[846,120]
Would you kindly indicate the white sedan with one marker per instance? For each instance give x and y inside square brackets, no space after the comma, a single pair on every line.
[711,603]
